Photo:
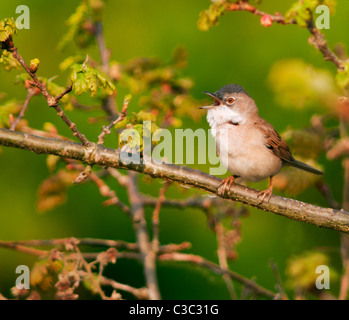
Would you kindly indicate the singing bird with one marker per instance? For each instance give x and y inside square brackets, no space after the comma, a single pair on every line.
[247,145]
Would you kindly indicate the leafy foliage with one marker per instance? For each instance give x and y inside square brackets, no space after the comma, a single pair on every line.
[84,78]
[7,29]
[302,11]
[209,18]
[8,61]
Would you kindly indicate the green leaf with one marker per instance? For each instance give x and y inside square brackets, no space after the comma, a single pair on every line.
[84,78]
[209,18]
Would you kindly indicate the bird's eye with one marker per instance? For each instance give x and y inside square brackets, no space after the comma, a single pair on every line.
[230,100]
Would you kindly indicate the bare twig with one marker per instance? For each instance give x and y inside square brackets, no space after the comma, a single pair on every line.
[105,191]
[51,101]
[66,91]
[143,242]
[279,285]
[106,130]
[108,105]
[91,276]
[119,244]
[139,293]
[201,202]
[103,188]
[198,260]
[155,219]
[222,258]
[31,92]
[326,192]
[23,249]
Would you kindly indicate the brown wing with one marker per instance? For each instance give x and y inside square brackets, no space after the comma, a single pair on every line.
[274,142]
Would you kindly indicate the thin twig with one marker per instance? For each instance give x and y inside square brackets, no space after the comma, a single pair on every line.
[222,258]
[143,242]
[51,101]
[92,278]
[108,105]
[66,91]
[198,260]
[279,286]
[106,129]
[23,249]
[105,191]
[155,218]
[103,188]
[166,252]
[31,92]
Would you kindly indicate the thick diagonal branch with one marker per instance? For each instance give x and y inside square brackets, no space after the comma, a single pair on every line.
[102,156]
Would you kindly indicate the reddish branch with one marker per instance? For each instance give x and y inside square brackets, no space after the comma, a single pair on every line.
[105,157]
[51,101]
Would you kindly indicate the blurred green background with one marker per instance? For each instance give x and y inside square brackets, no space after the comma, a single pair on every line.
[239,50]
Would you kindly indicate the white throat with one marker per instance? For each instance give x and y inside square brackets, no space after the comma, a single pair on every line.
[223,114]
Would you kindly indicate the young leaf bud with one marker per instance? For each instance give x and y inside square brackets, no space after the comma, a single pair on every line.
[34,65]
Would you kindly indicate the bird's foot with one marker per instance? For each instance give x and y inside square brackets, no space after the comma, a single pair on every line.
[227,182]
[265,194]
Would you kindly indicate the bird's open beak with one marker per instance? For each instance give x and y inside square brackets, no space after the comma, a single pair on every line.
[216,103]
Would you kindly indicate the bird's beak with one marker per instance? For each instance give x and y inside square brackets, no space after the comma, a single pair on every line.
[216,103]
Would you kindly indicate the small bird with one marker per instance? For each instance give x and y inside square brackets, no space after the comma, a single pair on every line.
[247,145]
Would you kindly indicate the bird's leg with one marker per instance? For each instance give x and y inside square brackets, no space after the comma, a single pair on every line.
[227,182]
[267,192]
